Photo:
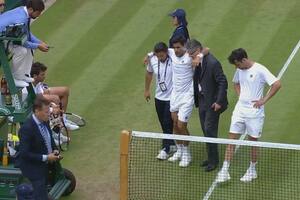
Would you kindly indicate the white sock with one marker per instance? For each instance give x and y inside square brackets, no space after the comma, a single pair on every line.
[179,147]
[252,165]
[226,165]
[185,150]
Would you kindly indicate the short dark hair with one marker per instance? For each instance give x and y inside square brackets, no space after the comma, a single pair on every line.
[39,102]
[192,45]
[237,55]
[37,68]
[36,5]
[178,39]
[160,47]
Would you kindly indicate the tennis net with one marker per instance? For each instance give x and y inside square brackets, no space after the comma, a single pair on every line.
[143,177]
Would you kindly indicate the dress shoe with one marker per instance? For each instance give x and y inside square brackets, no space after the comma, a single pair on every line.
[211,167]
[204,163]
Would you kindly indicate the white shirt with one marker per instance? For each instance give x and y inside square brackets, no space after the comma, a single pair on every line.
[182,73]
[164,75]
[252,82]
[39,88]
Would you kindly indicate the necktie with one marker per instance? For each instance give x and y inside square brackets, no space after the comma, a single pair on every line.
[28,29]
[29,33]
[44,134]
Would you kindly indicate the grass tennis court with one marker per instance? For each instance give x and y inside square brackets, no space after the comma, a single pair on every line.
[99,46]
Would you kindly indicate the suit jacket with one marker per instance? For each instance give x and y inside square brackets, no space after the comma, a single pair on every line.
[32,149]
[213,84]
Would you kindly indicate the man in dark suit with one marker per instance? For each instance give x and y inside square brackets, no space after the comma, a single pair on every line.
[37,148]
[210,95]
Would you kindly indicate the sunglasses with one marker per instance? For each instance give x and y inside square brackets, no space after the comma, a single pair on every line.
[2,4]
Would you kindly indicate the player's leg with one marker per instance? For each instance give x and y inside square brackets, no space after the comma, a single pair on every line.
[237,127]
[254,129]
[179,144]
[52,98]
[63,93]
[184,114]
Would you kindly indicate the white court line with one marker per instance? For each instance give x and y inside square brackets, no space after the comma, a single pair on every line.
[280,74]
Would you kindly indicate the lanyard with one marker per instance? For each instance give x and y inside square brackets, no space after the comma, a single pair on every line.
[165,74]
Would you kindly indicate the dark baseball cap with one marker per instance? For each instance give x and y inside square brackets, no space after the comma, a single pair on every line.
[177,13]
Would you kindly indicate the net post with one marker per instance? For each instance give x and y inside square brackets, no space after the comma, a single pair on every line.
[124,149]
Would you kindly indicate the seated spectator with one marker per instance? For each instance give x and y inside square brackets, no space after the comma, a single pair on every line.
[57,95]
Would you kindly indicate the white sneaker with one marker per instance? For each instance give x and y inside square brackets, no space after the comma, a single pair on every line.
[71,126]
[249,175]
[223,176]
[20,83]
[176,156]
[185,160]
[162,155]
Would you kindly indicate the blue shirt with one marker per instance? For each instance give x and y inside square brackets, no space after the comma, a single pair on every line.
[38,122]
[17,16]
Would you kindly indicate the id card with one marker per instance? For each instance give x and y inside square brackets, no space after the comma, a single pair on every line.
[163,86]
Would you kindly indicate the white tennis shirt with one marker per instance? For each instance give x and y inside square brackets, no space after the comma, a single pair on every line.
[252,82]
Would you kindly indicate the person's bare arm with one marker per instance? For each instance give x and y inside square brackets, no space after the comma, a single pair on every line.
[148,80]
[273,90]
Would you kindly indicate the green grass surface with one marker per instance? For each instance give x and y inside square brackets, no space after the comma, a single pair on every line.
[99,46]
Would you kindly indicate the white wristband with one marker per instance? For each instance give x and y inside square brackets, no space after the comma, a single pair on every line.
[200,55]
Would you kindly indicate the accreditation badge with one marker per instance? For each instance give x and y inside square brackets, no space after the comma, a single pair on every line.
[163,86]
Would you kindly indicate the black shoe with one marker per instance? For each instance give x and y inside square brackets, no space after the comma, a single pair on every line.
[204,163]
[210,167]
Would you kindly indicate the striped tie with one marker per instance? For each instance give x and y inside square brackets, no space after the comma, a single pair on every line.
[46,138]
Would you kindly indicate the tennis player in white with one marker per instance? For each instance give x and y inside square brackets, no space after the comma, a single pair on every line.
[182,98]
[248,116]
[182,95]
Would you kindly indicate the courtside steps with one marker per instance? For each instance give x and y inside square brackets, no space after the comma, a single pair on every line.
[59,188]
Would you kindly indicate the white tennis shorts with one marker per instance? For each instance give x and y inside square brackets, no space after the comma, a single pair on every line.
[250,126]
[183,104]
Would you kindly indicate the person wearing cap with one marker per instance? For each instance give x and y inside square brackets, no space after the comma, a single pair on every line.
[210,96]
[180,22]
[160,65]
[2,6]
[23,55]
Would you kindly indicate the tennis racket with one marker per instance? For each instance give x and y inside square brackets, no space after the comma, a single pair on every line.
[76,119]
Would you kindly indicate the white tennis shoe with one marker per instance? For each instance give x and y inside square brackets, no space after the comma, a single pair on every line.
[162,155]
[176,156]
[223,176]
[249,175]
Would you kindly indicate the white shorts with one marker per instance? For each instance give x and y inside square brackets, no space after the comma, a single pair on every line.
[250,126]
[183,104]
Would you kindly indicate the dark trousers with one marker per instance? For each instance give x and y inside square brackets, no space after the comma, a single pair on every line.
[165,119]
[40,189]
[209,120]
